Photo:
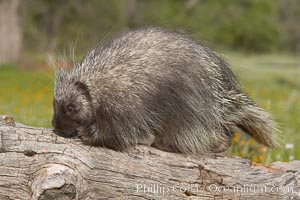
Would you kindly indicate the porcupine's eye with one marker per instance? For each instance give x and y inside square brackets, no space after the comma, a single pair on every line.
[70,110]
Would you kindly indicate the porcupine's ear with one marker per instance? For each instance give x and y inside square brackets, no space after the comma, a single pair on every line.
[83,88]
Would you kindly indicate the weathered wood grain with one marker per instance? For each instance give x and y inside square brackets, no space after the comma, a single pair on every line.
[37,164]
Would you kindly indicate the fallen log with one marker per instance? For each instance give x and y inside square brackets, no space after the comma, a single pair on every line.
[37,164]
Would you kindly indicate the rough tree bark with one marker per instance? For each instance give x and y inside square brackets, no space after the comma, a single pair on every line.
[36,164]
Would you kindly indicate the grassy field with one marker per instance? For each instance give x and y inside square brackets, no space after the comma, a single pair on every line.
[26,95]
[273,81]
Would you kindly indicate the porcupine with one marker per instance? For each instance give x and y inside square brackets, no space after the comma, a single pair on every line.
[154,82]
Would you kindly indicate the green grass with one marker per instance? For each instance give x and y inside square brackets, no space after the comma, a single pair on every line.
[272,81]
[26,95]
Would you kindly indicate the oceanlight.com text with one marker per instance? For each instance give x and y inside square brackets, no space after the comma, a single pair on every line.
[160,189]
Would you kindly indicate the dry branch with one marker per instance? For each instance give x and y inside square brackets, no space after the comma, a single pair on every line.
[36,164]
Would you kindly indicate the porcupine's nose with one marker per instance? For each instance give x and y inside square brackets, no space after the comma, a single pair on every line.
[57,126]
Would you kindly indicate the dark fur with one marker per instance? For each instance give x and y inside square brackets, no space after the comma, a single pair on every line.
[154,82]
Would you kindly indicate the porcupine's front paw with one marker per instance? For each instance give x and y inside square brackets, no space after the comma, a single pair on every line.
[86,136]
[92,137]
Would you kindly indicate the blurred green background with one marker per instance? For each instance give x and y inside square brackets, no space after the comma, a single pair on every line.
[259,38]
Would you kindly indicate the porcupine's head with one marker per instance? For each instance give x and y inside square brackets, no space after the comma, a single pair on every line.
[72,105]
